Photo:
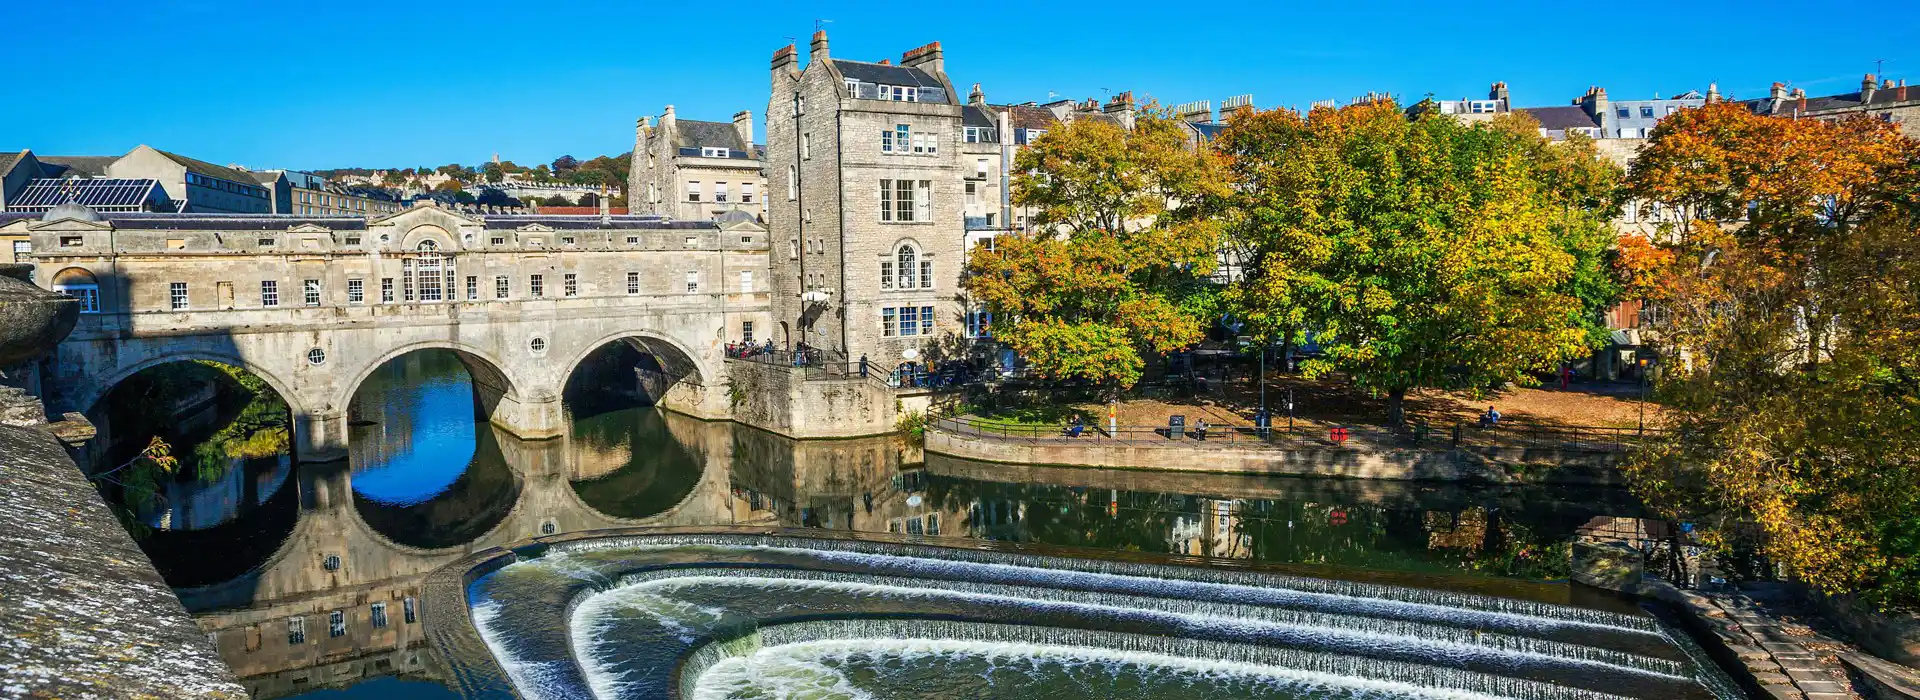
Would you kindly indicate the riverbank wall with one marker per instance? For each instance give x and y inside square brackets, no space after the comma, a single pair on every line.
[807,403]
[1528,464]
[85,613]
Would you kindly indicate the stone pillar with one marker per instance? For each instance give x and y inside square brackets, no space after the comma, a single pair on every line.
[530,419]
[320,437]
[699,401]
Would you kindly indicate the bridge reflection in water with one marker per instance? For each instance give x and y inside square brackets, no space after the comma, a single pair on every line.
[320,585]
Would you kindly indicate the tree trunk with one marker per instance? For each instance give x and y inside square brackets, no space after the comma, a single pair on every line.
[1397,407]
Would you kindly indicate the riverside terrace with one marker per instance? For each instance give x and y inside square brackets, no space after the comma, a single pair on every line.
[1563,454]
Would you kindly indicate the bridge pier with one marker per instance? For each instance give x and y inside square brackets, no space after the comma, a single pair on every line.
[320,437]
[537,418]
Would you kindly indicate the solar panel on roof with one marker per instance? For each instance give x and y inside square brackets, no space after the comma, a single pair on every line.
[104,194]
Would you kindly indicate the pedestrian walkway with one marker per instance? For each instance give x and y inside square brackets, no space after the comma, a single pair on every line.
[1765,626]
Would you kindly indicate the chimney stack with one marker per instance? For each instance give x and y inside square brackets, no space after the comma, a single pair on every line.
[1900,91]
[1713,93]
[783,59]
[977,97]
[1122,102]
[743,127]
[1499,92]
[929,58]
[1868,86]
[818,52]
[1800,95]
[1235,105]
[1594,103]
[1197,112]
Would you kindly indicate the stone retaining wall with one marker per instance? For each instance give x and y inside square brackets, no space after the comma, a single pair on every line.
[1498,464]
[780,399]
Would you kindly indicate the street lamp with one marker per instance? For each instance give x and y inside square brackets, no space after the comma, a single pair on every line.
[1647,362]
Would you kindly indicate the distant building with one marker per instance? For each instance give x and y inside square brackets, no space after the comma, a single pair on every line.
[307,194]
[696,170]
[1888,101]
[198,186]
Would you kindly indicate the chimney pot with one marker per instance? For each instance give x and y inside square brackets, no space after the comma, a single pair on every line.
[886,62]
[818,51]
[1900,91]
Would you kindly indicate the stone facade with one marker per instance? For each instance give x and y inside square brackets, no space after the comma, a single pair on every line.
[313,306]
[697,170]
[837,131]
[1885,100]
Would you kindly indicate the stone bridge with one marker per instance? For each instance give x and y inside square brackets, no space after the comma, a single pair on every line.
[314,305]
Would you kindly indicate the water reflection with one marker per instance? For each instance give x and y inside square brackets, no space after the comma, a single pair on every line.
[428,482]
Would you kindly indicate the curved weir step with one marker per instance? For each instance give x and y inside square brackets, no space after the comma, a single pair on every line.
[645,616]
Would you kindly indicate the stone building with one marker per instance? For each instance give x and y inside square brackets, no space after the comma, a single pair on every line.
[307,194]
[689,169]
[867,218]
[1885,100]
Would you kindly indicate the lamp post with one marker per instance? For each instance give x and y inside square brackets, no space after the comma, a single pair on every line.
[1646,362]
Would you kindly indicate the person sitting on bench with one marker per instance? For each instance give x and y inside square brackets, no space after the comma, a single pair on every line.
[1075,426]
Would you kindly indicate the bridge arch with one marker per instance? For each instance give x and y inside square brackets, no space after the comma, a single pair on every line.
[489,374]
[91,393]
[675,357]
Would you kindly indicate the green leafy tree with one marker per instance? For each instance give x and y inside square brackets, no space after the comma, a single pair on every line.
[494,172]
[1418,252]
[1117,265]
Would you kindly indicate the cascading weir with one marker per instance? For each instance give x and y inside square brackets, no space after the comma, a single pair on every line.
[750,616]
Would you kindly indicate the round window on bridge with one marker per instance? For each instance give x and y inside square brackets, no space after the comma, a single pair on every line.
[538,346]
[316,356]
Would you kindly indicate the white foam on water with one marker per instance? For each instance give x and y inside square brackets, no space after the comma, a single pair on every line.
[806,669]
[686,621]
[534,680]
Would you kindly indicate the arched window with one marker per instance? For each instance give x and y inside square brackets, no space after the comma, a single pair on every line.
[428,246]
[79,284]
[433,273]
[908,266]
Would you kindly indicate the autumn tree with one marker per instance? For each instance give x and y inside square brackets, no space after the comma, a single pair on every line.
[1422,251]
[1117,261]
[1787,307]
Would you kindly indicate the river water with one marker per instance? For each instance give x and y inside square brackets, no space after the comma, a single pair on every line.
[309,577]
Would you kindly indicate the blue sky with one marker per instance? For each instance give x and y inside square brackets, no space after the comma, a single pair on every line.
[304,84]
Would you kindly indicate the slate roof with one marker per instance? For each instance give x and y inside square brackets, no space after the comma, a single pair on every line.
[77,166]
[514,221]
[201,167]
[7,159]
[1882,97]
[690,133]
[971,115]
[1561,118]
[885,74]
[1030,116]
[229,222]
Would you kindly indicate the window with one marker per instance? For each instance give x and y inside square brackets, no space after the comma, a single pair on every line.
[719,192]
[406,280]
[297,630]
[715,152]
[799,104]
[979,323]
[633,240]
[570,284]
[356,291]
[973,193]
[793,187]
[1646,112]
[746,280]
[497,240]
[1623,113]
[899,139]
[566,240]
[316,357]
[886,274]
[909,320]
[975,134]
[693,242]
[693,191]
[806,146]
[337,623]
[310,289]
[926,320]
[633,283]
[907,255]
[746,331]
[1483,106]
[926,274]
[536,287]
[926,143]
[386,290]
[501,287]
[77,241]
[428,279]
[793,249]
[980,168]
[266,243]
[378,613]
[473,287]
[177,295]
[887,327]
[22,249]
[406,608]
[693,281]
[269,293]
[538,345]
[746,192]
[904,200]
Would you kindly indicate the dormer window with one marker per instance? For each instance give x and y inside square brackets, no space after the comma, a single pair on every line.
[708,152]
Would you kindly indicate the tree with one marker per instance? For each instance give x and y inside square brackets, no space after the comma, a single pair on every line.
[556,201]
[493,172]
[393,178]
[1418,252]
[1117,265]
[449,186]
[1787,308]
[565,164]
